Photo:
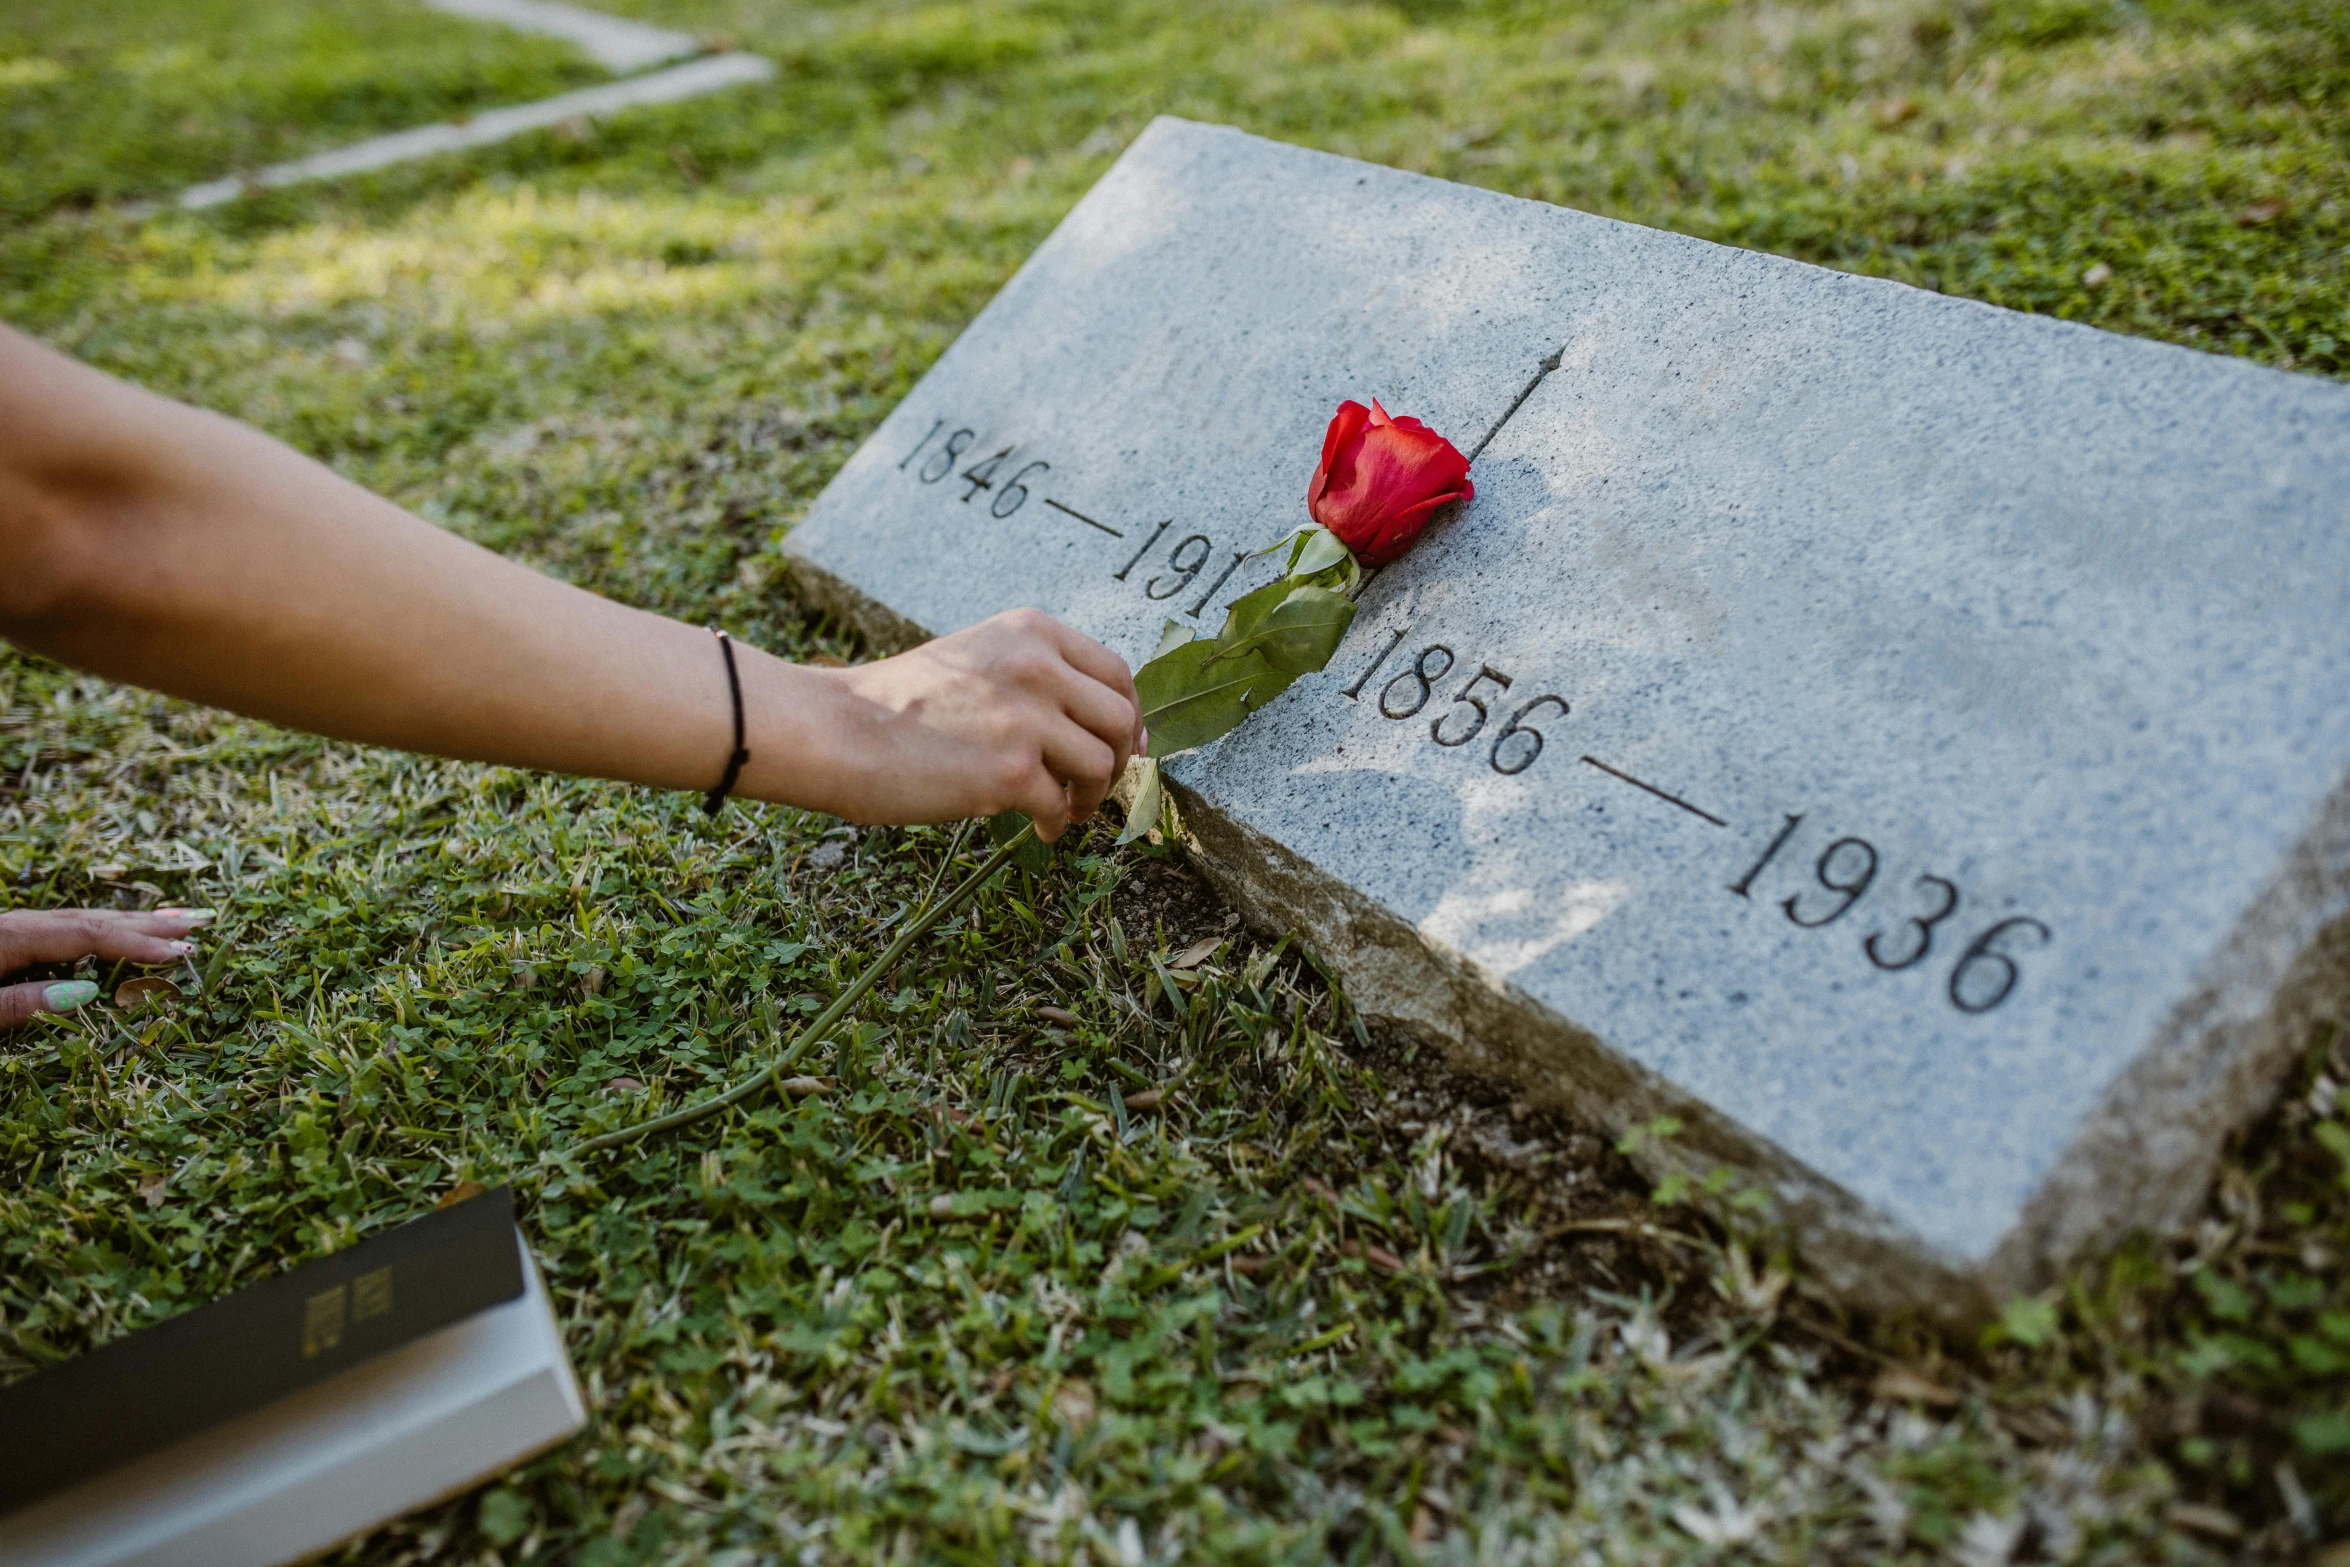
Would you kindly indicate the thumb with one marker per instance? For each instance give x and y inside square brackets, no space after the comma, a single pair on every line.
[23,1003]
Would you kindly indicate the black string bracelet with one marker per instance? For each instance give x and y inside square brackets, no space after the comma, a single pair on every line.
[715,800]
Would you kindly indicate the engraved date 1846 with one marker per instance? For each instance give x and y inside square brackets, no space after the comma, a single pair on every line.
[1008,482]
[1011,489]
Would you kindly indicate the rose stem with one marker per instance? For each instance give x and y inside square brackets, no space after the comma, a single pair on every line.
[814,1033]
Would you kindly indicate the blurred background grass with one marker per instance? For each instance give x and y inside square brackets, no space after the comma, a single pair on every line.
[104,98]
[969,1306]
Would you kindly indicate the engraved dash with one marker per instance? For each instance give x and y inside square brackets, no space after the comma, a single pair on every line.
[1669,799]
[1082,517]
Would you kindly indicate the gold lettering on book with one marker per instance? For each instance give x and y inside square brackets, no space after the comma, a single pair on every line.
[322,1322]
[371,1295]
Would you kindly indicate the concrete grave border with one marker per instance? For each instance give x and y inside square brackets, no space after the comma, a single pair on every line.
[613,42]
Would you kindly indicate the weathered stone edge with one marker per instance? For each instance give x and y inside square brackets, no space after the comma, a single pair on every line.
[1399,979]
[826,593]
[2145,1157]
[2142,1162]
[1396,977]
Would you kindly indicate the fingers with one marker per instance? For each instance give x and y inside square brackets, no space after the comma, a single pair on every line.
[1093,687]
[1119,720]
[1016,713]
[20,1004]
[1082,718]
[1093,659]
[1084,763]
[1098,714]
[1045,801]
[66,935]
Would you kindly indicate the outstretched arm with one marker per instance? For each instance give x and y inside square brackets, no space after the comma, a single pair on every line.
[177,549]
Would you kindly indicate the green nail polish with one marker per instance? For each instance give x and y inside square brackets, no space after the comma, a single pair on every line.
[67,994]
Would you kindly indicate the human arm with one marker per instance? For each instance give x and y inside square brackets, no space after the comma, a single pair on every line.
[177,549]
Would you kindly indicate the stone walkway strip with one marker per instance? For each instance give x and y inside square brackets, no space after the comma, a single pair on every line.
[615,43]
[493,125]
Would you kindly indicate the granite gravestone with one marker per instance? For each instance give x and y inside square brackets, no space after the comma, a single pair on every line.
[1903,739]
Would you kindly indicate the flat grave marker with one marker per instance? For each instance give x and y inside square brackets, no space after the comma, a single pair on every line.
[1901,738]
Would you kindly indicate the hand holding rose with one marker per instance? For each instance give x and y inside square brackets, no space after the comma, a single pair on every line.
[1017,713]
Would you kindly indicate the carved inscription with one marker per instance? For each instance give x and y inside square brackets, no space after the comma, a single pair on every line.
[985,474]
[1192,557]
[1846,869]
[1515,743]
[1469,703]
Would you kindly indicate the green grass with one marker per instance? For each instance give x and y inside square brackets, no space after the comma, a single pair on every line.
[109,98]
[971,1305]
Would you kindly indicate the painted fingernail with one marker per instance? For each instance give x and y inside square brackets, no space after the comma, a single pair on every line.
[192,916]
[67,994]
[180,949]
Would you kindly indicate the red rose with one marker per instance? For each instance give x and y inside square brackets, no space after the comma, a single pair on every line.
[1381,479]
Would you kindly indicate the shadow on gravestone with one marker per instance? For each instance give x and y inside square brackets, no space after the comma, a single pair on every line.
[1899,737]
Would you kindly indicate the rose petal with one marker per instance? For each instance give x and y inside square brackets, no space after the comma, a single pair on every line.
[1345,425]
[1381,478]
[1403,531]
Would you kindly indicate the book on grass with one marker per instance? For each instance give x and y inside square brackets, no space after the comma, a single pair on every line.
[301,1411]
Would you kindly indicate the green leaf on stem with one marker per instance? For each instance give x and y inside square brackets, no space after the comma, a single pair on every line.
[1291,541]
[1319,550]
[1274,683]
[1190,696]
[1299,634]
[1247,613]
[1142,814]
[1195,690]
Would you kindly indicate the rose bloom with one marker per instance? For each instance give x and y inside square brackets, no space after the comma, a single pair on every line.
[1381,479]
